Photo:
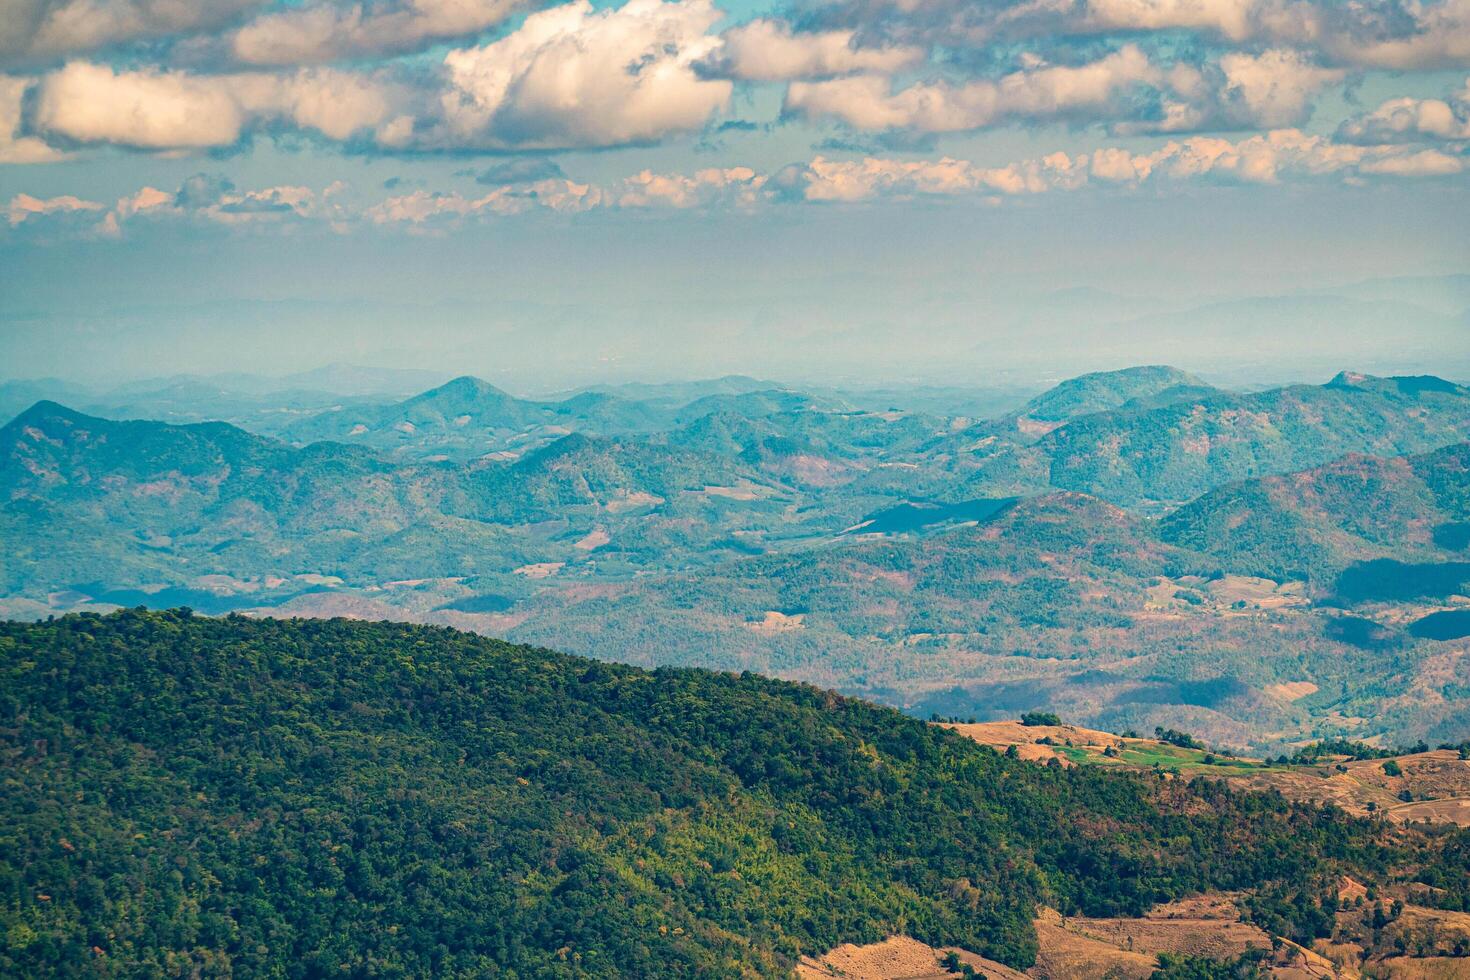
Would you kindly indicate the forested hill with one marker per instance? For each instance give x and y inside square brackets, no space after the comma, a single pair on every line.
[302,798]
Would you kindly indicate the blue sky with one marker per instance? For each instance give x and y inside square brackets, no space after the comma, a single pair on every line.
[941,189]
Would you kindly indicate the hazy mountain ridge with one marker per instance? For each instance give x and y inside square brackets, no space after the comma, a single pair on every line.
[1317,522]
[741,538]
[1173,453]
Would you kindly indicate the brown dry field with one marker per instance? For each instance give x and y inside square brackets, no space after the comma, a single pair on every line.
[1439,775]
[1027,738]
[1071,948]
[1080,948]
[1439,780]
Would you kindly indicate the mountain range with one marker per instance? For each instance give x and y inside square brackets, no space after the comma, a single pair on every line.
[1135,547]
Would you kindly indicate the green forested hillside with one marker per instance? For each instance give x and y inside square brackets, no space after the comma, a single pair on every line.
[1317,522]
[1105,390]
[304,798]
[1176,452]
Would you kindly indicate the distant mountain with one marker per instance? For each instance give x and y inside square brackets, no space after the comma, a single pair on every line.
[1061,600]
[1316,523]
[90,499]
[1105,390]
[757,404]
[1102,391]
[318,796]
[147,504]
[672,394]
[467,417]
[1175,452]
[925,561]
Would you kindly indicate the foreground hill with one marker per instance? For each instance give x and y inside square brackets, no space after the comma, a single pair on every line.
[192,795]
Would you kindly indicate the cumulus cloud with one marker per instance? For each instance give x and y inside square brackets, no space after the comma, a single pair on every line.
[1406,35]
[324,32]
[1261,159]
[24,207]
[15,147]
[739,187]
[573,76]
[1404,119]
[827,180]
[40,29]
[147,109]
[768,51]
[1269,157]
[1272,89]
[1041,91]
[1398,34]
[205,199]
[424,207]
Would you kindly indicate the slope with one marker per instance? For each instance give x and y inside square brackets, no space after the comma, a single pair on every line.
[191,795]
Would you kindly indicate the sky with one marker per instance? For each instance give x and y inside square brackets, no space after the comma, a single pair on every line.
[553,193]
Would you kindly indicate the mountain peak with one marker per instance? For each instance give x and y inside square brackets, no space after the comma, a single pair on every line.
[47,410]
[1413,384]
[1105,390]
[466,385]
[1349,379]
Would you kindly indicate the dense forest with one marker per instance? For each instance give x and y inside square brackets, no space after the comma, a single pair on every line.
[186,795]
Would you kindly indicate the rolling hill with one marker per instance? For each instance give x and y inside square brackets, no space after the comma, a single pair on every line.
[1315,523]
[98,505]
[1153,457]
[1100,391]
[468,418]
[223,795]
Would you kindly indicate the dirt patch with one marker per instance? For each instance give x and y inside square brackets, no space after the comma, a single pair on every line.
[1037,742]
[1292,690]
[777,622]
[595,539]
[741,491]
[543,569]
[1208,926]
[632,501]
[895,958]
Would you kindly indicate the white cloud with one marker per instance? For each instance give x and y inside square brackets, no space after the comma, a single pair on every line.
[1425,163]
[160,110]
[826,180]
[425,207]
[867,102]
[32,29]
[767,50]
[572,76]
[15,147]
[1438,36]
[1272,89]
[1398,120]
[328,31]
[24,207]
[734,186]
